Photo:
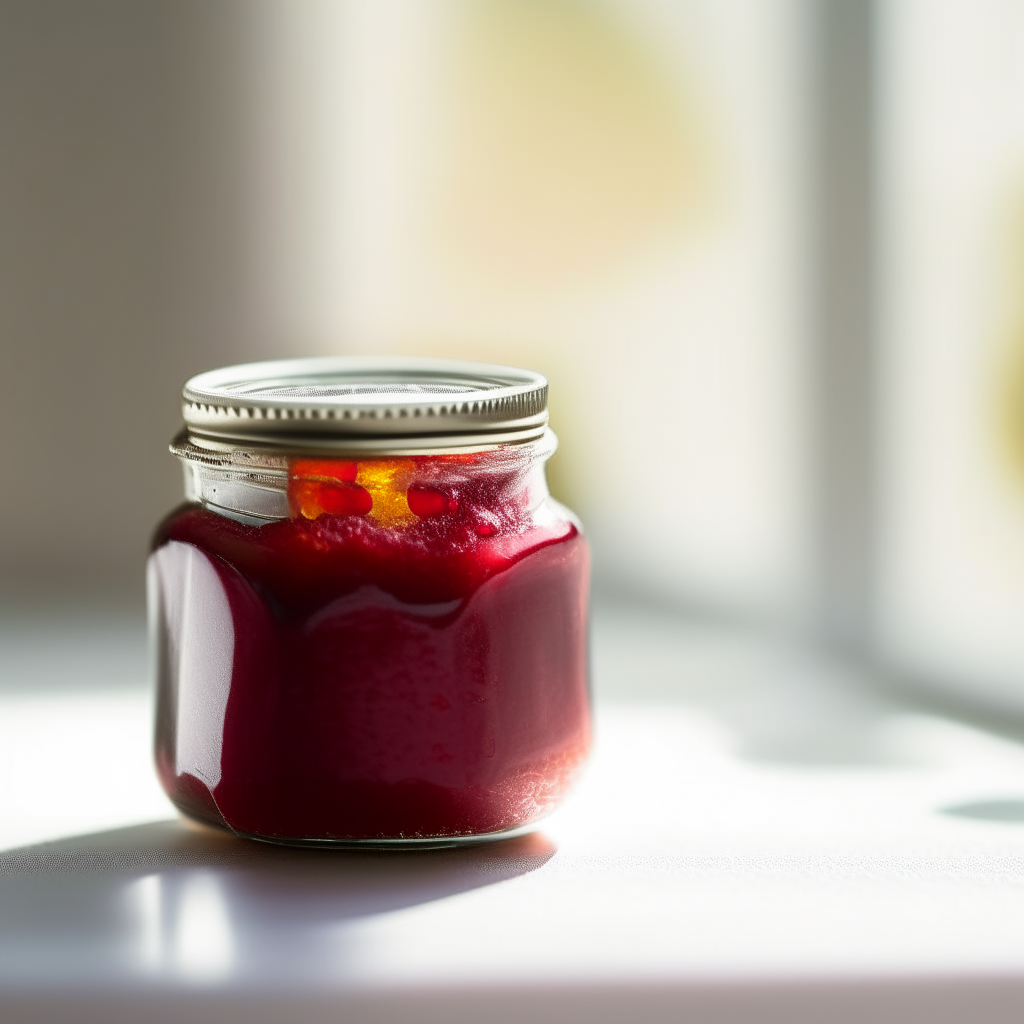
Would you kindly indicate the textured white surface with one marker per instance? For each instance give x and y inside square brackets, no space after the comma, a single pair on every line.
[774,843]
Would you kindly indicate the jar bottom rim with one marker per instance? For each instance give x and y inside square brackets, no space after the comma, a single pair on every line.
[375,843]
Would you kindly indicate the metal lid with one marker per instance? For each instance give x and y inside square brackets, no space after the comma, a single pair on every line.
[357,404]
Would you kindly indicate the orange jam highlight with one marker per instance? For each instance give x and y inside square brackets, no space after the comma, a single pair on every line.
[382,489]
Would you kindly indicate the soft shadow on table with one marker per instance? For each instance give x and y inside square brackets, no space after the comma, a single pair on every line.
[165,900]
[1005,811]
[780,701]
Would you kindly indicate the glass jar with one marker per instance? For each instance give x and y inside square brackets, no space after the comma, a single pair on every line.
[369,618]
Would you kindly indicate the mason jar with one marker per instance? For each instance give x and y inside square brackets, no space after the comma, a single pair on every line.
[369,616]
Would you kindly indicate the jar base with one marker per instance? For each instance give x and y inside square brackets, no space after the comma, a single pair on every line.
[413,843]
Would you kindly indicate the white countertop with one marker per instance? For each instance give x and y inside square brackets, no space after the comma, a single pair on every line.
[760,837]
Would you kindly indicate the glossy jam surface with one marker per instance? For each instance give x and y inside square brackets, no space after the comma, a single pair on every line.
[403,657]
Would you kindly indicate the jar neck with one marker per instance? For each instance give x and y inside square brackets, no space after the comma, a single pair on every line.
[258,486]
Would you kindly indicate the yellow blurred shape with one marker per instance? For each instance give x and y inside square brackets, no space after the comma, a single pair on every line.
[1010,397]
[387,480]
[1012,407]
[572,150]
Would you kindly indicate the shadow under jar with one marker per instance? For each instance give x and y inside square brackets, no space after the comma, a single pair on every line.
[369,617]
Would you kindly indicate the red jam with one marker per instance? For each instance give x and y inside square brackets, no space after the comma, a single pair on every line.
[403,657]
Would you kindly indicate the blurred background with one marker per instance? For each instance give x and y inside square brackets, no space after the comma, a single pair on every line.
[769,253]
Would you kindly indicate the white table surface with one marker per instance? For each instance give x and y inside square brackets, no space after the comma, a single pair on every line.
[760,837]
